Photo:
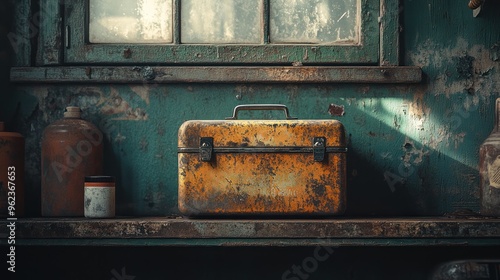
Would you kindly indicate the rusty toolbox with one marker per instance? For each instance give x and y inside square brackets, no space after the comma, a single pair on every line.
[262,167]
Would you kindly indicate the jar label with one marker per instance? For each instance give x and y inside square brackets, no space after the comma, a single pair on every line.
[99,202]
[494,173]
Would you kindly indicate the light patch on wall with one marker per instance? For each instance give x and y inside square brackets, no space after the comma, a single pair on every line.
[142,91]
[408,117]
[413,120]
[89,97]
[417,108]
[446,136]
[41,93]
[437,137]
[242,89]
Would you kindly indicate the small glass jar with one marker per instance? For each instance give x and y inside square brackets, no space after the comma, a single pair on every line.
[99,197]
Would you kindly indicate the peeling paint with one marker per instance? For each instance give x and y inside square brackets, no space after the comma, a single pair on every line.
[115,105]
[119,138]
[465,68]
[458,139]
[418,108]
[437,138]
[495,52]
[412,155]
[41,93]
[336,110]
[242,89]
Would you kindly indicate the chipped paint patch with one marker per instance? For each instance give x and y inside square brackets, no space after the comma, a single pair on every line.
[41,93]
[465,67]
[418,108]
[115,105]
[412,155]
[119,138]
[336,110]
[241,89]
[458,139]
[142,91]
[436,138]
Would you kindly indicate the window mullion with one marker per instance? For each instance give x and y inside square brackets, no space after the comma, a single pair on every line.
[266,8]
[176,24]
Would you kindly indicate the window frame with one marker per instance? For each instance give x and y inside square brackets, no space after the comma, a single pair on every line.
[77,50]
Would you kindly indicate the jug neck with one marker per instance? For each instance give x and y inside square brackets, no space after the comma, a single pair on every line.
[73,112]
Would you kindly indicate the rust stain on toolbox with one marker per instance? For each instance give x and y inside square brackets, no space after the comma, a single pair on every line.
[270,167]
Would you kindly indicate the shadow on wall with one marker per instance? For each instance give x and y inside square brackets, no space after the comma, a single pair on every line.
[409,156]
[5,47]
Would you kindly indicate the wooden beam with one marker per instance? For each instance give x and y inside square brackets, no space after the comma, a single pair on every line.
[217,74]
[178,227]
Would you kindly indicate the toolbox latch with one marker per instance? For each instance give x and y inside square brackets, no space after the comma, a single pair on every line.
[206,148]
[319,148]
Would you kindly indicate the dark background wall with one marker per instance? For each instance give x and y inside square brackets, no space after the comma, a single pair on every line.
[413,149]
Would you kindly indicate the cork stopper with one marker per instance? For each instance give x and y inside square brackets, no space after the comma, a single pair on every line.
[73,112]
[2,127]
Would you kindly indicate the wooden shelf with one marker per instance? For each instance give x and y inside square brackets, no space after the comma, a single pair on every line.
[160,231]
[217,74]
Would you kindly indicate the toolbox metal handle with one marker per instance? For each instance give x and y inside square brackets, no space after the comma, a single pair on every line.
[253,107]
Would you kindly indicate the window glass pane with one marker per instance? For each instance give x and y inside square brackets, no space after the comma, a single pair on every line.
[314,21]
[221,21]
[130,21]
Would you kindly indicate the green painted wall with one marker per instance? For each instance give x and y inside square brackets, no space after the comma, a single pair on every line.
[413,148]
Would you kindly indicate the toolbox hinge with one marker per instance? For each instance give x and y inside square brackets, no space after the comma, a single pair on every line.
[206,148]
[319,148]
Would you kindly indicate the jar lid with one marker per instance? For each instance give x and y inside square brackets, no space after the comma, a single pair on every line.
[106,179]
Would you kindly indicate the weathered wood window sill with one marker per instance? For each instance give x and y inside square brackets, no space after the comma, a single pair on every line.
[164,231]
[216,74]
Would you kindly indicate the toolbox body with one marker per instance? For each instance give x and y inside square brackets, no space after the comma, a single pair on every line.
[262,167]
